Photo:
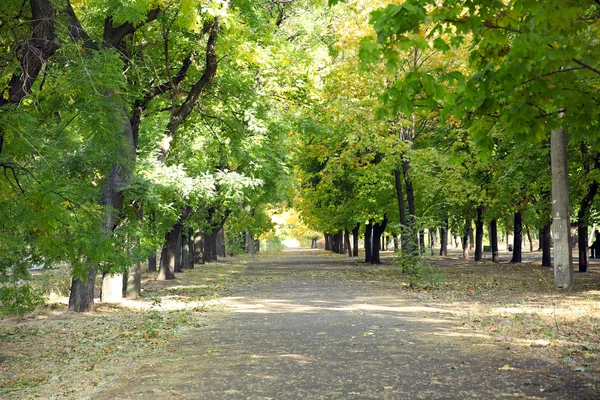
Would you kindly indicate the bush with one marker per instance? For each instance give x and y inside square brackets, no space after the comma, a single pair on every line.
[19,298]
[421,275]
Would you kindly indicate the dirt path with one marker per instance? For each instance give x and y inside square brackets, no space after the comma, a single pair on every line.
[318,332]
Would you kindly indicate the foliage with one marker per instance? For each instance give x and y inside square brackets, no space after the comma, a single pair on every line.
[19,298]
[421,274]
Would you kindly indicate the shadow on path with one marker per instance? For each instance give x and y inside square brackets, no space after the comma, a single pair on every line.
[313,334]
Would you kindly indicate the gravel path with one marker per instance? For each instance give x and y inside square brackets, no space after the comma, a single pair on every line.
[317,332]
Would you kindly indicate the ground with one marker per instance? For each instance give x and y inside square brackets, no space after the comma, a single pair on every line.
[315,325]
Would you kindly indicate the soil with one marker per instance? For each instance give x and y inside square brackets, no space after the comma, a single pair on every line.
[311,326]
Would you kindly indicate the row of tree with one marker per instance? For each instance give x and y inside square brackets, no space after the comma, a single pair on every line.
[462,113]
[127,125]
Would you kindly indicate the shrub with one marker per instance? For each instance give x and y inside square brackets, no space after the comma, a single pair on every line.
[19,298]
[421,274]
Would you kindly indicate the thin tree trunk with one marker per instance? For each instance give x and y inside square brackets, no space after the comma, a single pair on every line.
[221,243]
[191,248]
[347,241]
[368,242]
[546,241]
[179,251]
[378,230]
[465,241]
[479,235]
[529,238]
[409,233]
[563,272]
[582,225]
[327,242]
[250,243]
[494,240]
[518,237]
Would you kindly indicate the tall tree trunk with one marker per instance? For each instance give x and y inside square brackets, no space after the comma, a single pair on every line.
[378,230]
[465,240]
[221,243]
[546,241]
[327,242]
[494,240]
[81,298]
[152,261]
[409,233]
[347,241]
[529,238]
[479,235]
[198,247]
[518,237]
[355,233]
[400,200]
[191,248]
[563,272]
[582,225]
[368,242]
[250,243]
[444,238]
[179,251]
[210,246]
[169,253]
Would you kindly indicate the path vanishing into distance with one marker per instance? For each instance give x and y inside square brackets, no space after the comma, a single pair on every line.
[306,327]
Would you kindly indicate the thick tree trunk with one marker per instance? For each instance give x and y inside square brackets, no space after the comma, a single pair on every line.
[444,239]
[355,233]
[152,261]
[327,242]
[546,242]
[378,230]
[132,281]
[198,247]
[81,298]
[169,253]
[368,242]
[210,247]
[479,235]
[221,243]
[112,288]
[563,272]
[518,237]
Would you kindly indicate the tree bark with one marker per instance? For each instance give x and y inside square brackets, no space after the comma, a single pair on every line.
[529,238]
[378,230]
[355,233]
[152,261]
[465,240]
[112,288]
[198,247]
[444,239]
[250,243]
[179,251]
[546,242]
[169,253]
[347,242]
[368,242]
[563,272]
[221,243]
[518,237]
[494,240]
[327,242]
[409,233]
[479,235]
[582,225]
